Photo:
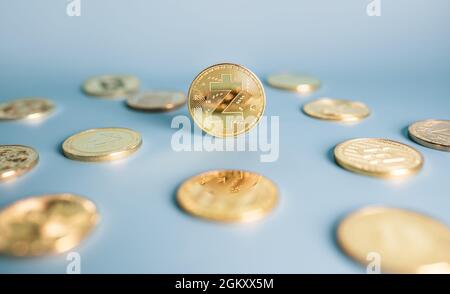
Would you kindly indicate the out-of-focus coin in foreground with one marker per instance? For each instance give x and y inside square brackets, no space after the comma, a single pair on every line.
[378,157]
[46,224]
[26,108]
[432,133]
[102,144]
[228,196]
[336,109]
[111,86]
[301,83]
[404,241]
[156,100]
[16,160]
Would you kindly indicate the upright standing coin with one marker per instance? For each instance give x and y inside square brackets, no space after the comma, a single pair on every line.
[226,100]
[103,144]
[300,83]
[45,224]
[15,160]
[378,157]
[336,109]
[111,86]
[404,241]
[228,195]
[156,100]
[26,108]
[431,133]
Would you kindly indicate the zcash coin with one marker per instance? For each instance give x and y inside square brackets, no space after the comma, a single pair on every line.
[156,100]
[431,133]
[400,241]
[46,224]
[300,83]
[15,160]
[111,86]
[336,109]
[228,196]
[26,108]
[226,100]
[378,157]
[103,144]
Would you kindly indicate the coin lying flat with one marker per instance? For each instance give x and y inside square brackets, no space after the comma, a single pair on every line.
[431,133]
[156,100]
[336,109]
[406,241]
[303,84]
[16,160]
[103,144]
[45,224]
[228,196]
[111,86]
[26,108]
[378,157]
[226,100]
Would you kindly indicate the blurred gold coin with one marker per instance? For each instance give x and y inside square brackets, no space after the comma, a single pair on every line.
[15,160]
[228,196]
[111,86]
[378,157]
[303,84]
[336,109]
[26,108]
[45,224]
[103,144]
[226,100]
[404,241]
[431,133]
[156,100]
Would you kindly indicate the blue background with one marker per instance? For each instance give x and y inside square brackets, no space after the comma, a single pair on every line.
[397,63]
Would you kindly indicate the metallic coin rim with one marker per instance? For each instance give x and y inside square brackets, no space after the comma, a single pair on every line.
[314,86]
[29,116]
[21,171]
[115,95]
[167,107]
[413,135]
[344,118]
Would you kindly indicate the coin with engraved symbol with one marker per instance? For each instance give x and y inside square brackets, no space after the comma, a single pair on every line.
[226,100]
[228,196]
[111,86]
[432,133]
[46,224]
[378,157]
[336,109]
[26,108]
[156,100]
[397,240]
[301,83]
[102,144]
[16,160]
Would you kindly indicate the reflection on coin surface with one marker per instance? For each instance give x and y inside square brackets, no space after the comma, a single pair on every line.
[156,100]
[300,83]
[404,241]
[226,100]
[431,133]
[26,108]
[45,224]
[16,160]
[228,196]
[111,86]
[336,109]
[103,144]
[378,157]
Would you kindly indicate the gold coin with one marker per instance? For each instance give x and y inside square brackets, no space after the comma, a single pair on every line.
[226,100]
[156,100]
[15,160]
[431,133]
[111,86]
[336,109]
[405,241]
[228,196]
[103,144]
[47,224]
[26,108]
[300,83]
[378,157]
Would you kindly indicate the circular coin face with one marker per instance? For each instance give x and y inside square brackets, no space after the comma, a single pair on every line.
[336,109]
[156,100]
[111,86]
[103,144]
[431,133]
[226,100]
[45,224]
[15,160]
[401,241]
[228,196]
[378,157]
[300,83]
[26,108]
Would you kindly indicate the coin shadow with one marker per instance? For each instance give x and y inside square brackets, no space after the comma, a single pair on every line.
[405,133]
[330,155]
